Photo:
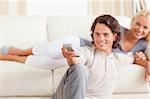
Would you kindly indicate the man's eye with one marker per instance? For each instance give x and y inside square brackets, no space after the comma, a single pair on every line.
[97,34]
[105,34]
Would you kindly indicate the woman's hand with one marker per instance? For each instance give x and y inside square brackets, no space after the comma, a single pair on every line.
[71,57]
[141,59]
[139,56]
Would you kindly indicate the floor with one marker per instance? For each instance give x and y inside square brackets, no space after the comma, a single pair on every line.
[121,96]
[25,98]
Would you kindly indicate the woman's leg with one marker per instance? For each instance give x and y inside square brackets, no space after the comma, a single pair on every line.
[53,49]
[7,50]
[74,83]
[20,52]
[16,58]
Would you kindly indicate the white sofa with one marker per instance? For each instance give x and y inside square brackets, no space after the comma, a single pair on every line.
[17,79]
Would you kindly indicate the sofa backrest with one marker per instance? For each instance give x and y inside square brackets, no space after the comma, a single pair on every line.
[22,31]
[59,26]
[26,31]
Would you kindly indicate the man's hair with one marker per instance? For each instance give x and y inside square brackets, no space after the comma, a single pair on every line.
[111,23]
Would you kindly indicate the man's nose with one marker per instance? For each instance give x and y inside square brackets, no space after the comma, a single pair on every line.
[101,37]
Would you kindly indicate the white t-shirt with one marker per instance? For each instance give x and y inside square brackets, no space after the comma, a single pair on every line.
[103,71]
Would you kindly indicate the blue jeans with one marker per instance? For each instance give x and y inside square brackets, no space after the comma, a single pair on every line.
[73,84]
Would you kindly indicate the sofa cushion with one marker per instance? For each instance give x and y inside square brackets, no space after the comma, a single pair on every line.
[131,96]
[124,21]
[17,79]
[58,74]
[22,31]
[131,80]
[59,26]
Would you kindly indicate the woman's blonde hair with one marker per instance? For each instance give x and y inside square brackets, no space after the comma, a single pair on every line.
[148,38]
[144,12]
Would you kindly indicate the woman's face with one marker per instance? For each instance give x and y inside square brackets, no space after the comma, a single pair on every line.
[103,38]
[140,27]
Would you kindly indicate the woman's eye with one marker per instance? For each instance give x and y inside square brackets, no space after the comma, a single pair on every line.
[138,24]
[145,27]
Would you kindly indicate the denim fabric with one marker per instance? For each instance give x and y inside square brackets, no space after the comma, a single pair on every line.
[4,50]
[73,84]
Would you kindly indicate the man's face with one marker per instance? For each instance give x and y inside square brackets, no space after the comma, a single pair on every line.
[103,38]
[140,27]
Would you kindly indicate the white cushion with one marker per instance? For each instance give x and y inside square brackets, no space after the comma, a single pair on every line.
[17,79]
[59,26]
[131,96]
[22,31]
[124,21]
[58,74]
[131,80]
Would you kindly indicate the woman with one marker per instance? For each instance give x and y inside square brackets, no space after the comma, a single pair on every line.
[46,55]
[133,40]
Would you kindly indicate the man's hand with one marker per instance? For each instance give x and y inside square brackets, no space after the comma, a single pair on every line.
[71,57]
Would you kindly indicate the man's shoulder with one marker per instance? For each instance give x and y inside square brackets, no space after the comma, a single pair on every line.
[87,48]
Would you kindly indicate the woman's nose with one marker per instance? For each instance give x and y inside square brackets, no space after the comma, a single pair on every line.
[140,29]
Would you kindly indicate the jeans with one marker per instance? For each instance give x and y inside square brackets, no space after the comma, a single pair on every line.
[73,84]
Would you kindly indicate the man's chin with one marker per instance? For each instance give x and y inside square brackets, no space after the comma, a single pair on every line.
[102,49]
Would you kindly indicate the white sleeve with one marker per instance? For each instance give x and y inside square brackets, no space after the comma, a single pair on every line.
[82,55]
[86,55]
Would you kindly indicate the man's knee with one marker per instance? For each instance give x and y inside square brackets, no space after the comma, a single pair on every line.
[76,70]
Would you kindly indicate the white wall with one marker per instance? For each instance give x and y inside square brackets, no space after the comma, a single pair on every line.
[57,7]
[148,4]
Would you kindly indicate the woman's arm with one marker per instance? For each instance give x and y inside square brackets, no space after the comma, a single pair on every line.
[141,60]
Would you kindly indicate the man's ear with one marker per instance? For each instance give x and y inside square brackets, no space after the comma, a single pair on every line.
[115,37]
[92,35]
